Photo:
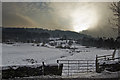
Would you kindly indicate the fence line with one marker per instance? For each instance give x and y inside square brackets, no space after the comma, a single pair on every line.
[104,58]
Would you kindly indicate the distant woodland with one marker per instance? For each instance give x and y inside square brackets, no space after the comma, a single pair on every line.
[37,35]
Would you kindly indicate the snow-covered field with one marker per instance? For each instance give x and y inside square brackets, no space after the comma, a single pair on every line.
[0,59]
[29,53]
[26,53]
[0,53]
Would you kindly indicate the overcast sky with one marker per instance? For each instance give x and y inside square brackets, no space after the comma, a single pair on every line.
[74,16]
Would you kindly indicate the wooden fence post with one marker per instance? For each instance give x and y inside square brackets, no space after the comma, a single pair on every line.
[58,64]
[96,63]
[43,68]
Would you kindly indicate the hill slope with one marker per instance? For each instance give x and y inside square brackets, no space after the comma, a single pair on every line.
[24,34]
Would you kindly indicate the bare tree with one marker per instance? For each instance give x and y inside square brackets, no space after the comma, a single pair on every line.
[115,7]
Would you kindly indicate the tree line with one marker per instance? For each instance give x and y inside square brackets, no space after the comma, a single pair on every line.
[108,43]
[37,34]
[23,35]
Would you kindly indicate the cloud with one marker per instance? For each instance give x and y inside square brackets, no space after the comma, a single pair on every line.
[56,15]
[103,28]
[17,20]
[42,14]
[13,17]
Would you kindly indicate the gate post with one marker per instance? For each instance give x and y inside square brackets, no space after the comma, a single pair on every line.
[58,64]
[97,64]
[43,68]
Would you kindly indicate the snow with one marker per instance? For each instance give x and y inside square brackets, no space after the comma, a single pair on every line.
[88,53]
[108,62]
[0,59]
[104,74]
[0,54]
[29,54]
[25,53]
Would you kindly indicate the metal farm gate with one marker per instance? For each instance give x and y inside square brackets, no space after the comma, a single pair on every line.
[71,67]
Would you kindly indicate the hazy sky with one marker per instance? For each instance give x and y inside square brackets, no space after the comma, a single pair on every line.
[74,16]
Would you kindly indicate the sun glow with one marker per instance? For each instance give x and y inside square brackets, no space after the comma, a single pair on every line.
[84,19]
